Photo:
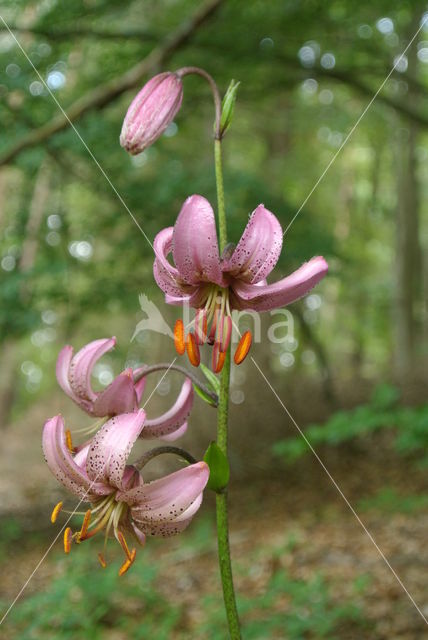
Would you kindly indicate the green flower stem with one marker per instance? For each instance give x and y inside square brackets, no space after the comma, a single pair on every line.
[220,195]
[222,424]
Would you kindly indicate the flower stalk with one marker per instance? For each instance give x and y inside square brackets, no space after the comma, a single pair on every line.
[222,434]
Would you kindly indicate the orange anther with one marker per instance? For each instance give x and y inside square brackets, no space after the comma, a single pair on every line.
[128,562]
[179,342]
[57,508]
[243,347]
[85,524]
[193,350]
[68,538]
[102,562]
[68,440]
[218,359]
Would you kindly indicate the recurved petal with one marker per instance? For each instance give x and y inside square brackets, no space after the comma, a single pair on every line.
[111,446]
[166,275]
[165,499]
[62,370]
[259,248]
[168,423]
[66,470]
[118,397]
[281,293]
[82,364]
[195,246]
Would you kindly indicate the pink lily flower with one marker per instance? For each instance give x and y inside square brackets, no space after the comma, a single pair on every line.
[151,111]
[216,285]
[123,395]
[121,502]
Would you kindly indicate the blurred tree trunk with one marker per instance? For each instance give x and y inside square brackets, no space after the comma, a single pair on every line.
[408,262]
[321,356]
[37,209]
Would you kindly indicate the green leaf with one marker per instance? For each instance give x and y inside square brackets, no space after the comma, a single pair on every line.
[205,397]
[228,107]
[219,468]
[212,379]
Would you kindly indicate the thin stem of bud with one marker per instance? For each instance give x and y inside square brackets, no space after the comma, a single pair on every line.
[216,94]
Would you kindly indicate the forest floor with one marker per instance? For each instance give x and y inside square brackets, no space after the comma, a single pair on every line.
[291,526]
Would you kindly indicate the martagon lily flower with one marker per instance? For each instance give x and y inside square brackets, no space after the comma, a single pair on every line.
[123,395]
[216,285]
[121,503]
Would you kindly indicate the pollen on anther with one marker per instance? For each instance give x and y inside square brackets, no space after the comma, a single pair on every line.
[68,440]
[68,537]
[128,562]
[179,342]
[85,524]
[243,347]
[57,508]
[219,358]
[123,544]
[193,350]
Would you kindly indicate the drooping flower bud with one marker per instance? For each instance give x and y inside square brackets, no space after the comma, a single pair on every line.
[151,111]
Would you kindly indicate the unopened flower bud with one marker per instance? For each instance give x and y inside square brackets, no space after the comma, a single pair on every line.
[228,107]
[151,111]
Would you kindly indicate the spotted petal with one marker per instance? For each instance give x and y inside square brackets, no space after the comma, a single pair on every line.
[281,293]
[165,529]
[259,248]
[168,424]
[68,471]
[166,499]
[195,246]
[111,446]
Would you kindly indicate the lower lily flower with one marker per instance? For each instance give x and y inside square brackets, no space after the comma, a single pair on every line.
[123,395]
[121,503]
[216,285]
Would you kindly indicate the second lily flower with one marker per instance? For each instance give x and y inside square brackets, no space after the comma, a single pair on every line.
[216,285]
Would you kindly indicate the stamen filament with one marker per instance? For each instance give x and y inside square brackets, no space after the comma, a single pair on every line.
[102,561]
[123,544]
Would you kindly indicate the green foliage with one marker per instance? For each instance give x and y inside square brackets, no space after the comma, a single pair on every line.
[388,501]
[84,600]
[310,611]
[409,425]
[219,468]
[81,604]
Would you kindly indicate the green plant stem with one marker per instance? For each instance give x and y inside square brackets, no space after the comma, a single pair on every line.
[222,424]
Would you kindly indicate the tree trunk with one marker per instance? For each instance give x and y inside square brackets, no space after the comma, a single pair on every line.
[408,260]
